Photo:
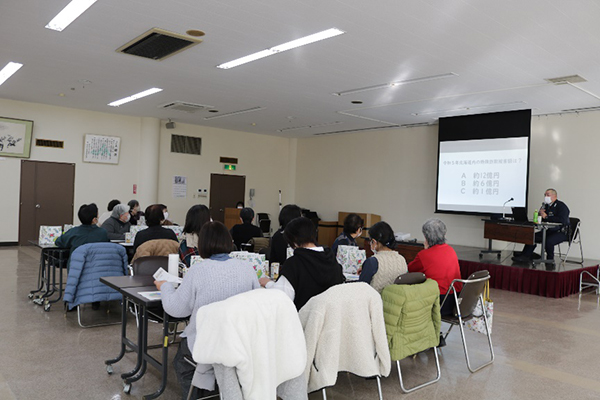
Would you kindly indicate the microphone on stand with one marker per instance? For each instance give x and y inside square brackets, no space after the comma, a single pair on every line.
[504,205]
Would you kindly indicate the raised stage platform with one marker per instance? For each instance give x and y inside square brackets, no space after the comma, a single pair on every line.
[556,281]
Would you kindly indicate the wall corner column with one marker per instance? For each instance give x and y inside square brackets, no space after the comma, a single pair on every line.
[149,160]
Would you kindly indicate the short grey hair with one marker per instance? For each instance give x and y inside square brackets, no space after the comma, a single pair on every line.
[434,231]
[553,191]
[119,210]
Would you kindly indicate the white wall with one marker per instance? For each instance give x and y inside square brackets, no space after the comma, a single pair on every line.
[393,173]
[97,183]
[262,159]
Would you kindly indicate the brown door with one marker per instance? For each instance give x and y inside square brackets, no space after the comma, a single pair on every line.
[47,192]
[225,191]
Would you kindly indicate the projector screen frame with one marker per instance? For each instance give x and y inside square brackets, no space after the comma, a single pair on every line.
[497,125]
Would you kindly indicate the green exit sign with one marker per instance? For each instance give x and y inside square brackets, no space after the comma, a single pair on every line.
[229,167]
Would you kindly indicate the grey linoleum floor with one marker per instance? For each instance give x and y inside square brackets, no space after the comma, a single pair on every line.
[545,349]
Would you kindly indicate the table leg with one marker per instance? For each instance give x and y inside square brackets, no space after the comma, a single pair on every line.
[543,259]
[142,348]
[40,275]
[141,328]
[165,360]
[62,262]
[123,336]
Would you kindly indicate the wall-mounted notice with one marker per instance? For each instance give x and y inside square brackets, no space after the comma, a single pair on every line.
[101,149]
[179,186]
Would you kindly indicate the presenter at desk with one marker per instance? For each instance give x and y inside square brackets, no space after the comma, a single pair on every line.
[552,210]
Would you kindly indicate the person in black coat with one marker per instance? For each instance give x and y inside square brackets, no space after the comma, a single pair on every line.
[353,226]
[242,233]
[311,270]
[278,244]
[154,218]
[553,210]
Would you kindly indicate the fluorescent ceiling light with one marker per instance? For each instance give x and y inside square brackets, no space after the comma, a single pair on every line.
[397,83]
[469,108]
[283,47]
[8,70]
[69,14]
[135,97]
[235,113]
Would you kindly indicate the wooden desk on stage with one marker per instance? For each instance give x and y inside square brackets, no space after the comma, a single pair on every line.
[509,231]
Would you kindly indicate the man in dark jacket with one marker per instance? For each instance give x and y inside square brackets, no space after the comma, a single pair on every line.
[87,232]
[553,210]
[242,233]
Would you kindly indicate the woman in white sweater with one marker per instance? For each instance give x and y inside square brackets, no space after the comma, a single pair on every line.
[216,278]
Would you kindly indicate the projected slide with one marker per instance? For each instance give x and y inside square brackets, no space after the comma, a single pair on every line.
[480,175]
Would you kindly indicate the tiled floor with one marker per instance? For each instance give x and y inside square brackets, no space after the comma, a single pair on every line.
[545,349]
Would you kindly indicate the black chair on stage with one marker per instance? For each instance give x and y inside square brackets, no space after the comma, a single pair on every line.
[465,303]
[574,238]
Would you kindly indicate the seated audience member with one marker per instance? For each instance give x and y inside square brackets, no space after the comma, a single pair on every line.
[438,261]
[386,264]
[239,204]
[118,223]
[154,218]
[195,219]
[311,270]
[134,210]
[87,232]
[353,225]
[242,233]
[106,215]
[166,220]
[215,279]
[278,244]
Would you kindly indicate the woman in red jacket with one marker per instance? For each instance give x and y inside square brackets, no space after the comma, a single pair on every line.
[438,261]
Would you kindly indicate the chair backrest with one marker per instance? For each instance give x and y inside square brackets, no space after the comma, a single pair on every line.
[148,265]
[574,228]
[264,222]
[472,288]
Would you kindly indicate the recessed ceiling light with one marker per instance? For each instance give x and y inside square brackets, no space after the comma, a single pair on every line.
[195,32]
[69,14]
[135,97]
[397,83]
[8,70]
[329,33]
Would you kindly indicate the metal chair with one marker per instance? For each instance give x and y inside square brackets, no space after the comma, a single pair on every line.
[192,387]
[465,303]
[399,303]
[264,222]
[147,266]
[574,238]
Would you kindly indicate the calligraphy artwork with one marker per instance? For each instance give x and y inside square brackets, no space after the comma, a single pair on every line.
[101,149]
[15,137]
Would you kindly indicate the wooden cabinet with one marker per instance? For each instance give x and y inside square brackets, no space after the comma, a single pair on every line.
[370,220]
[327,233]
[232,217]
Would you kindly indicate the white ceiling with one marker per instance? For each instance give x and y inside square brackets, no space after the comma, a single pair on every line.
[501,52]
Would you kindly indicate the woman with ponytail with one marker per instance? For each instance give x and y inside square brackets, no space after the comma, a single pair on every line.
[386,264]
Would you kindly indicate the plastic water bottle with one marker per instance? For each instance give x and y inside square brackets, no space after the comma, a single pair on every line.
[535,217]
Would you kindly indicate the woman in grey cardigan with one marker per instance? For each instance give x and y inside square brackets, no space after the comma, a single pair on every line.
[118,224]
[216,278]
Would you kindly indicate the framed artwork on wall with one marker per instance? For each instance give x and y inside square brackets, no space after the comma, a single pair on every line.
[101,149]
[15,137]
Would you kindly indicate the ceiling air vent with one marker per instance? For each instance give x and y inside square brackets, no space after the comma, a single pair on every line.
[186,144]
[182,106]
[158,44]
[566,79]
[57,144]
[357,130]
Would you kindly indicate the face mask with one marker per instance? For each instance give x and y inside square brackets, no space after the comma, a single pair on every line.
[128,217]
[166,214]
[373,249]
[547,200]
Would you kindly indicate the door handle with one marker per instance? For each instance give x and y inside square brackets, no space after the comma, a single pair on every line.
[38,206]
